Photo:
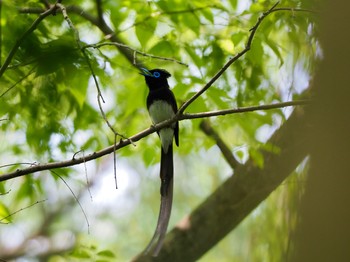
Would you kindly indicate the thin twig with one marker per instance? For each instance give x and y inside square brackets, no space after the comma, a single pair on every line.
[226,66]
[293,10]
[7,192]
[135,52]
[21,209]
[99,93]
[142,134]
[19,81]
[21,163]
[87,177]
[75,197]
[115,162]
[242,110]
[206,127]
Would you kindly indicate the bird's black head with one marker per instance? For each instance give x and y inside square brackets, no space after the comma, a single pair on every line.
[156,78]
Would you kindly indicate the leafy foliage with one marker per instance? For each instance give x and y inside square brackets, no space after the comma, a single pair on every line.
[49,109]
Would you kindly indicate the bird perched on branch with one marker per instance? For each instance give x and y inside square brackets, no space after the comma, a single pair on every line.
[161,105]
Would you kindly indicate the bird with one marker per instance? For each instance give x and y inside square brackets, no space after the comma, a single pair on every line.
[161,105]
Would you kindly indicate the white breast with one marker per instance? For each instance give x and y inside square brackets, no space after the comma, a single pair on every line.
[161,111]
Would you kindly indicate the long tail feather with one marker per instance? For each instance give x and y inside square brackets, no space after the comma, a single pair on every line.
[166,191]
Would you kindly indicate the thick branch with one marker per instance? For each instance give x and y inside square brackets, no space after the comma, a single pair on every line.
[237,197]
[100,12]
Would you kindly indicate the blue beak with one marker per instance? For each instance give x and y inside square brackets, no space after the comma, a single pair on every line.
[145,72]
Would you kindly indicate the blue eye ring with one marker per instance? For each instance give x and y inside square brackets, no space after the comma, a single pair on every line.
[156,74]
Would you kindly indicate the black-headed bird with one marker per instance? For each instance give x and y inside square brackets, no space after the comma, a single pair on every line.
[161,105]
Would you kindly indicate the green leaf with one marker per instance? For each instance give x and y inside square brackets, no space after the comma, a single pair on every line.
[256,53]
[191,21]
[145,31]
[106,253]
[57,54]
[80,253]
[148,156]
[195,58]
[217,96]
[238,38]
[233,3]
[162,48]
[197,105]
[239,154]
[4,212]
[207,13]
[274,47]
[78,88]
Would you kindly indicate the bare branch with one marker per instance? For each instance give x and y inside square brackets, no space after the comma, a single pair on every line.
[225,150]
[243,109]
[136,51]
[100,12]
[293,10]
[19,210]
[115,163]
[238,196]
[122,143]
[75,197]
[16,164]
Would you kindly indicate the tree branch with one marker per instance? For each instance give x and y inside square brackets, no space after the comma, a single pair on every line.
[135,51]
[225,150]
[100,12]
[226,66]
[233,201]
[20,210]
[122,143]
[242,109]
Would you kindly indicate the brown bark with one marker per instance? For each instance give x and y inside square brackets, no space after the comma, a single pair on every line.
[237,197]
